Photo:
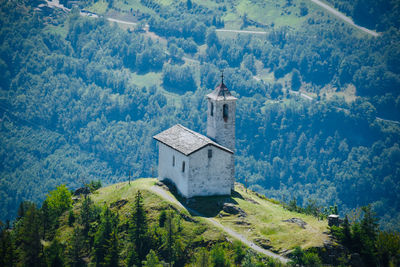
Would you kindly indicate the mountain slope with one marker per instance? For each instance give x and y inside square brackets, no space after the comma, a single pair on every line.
[262,220]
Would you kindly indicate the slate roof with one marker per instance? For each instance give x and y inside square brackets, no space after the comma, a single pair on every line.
[185,140]
[221,92]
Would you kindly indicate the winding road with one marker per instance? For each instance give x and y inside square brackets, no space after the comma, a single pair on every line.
[344,17]
[164,194]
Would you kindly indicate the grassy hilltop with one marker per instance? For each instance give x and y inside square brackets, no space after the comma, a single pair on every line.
[263,223]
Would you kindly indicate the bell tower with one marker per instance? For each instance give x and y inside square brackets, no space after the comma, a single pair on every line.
[221,116]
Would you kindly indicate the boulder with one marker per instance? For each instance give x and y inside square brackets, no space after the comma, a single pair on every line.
[232,209]
[297,221]
[119,203]
[82,190]
[262,242]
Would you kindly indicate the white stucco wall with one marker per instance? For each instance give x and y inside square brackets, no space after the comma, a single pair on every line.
[167,171]
[203,176]
[210,176]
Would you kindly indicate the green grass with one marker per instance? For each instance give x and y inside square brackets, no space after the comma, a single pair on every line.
[148,79]
[266,221]
[99,7]
[264,217]
[61,30]
[199,232]
[154,79]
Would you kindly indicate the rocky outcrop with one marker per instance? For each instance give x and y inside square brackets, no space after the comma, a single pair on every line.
[263,242]
[82,191]
[119,203]
[232,209]
[297,221]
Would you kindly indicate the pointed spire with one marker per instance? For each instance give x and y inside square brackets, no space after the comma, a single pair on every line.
[221,90]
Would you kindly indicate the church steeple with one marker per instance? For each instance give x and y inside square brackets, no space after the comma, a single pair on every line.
[221,115]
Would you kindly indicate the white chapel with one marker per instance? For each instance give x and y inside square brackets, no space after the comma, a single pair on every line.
[201,165]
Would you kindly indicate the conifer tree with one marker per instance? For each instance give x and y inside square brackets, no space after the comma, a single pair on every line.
[74,251]
[112,256]
[346,232]
[102,237]
[30,237]
[54,254]
[46,218]
[152,260]
[218,256]
[202,258]
[86,215]
[139,232]
[7,249]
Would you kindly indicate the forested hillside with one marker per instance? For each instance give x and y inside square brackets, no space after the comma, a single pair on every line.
[376,14]
[81,98]
[131,224]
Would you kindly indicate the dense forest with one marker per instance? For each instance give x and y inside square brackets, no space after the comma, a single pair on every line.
[380,15]
[74,230]
[73,106]
[102,237]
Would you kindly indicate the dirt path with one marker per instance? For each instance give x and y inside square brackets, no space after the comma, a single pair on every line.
[344,17]
[164,194]
[240,31]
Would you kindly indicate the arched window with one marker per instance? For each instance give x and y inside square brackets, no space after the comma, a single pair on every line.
[183,166]
[173,160]
[212,109]
[225,112]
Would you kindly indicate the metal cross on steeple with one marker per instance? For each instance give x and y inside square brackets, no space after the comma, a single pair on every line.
[222,76]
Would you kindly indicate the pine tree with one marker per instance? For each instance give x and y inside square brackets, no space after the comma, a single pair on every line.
[152,260]
[346,232]
[218,256]
[189,4]
[139,232]
[46,218]
[112,256]
[170,236]
[54,254]
[30,237]
[202,258]
[86,215]
[74,251]
[102,237]
[7,249]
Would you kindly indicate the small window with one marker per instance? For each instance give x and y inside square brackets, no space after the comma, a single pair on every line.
[173,160]
[210,153]
[225,112]
[212,109]
[183,166]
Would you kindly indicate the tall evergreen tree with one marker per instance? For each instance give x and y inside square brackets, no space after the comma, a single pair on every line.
[102,237]
[152,260]
[86,215]
[139,232]
[30,237]
[7,249]
[74,251]
[112,257]
[54,254]
[46,219]
[202,258]
[346,232]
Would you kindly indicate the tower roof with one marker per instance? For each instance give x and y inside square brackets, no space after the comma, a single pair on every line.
[221,92]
